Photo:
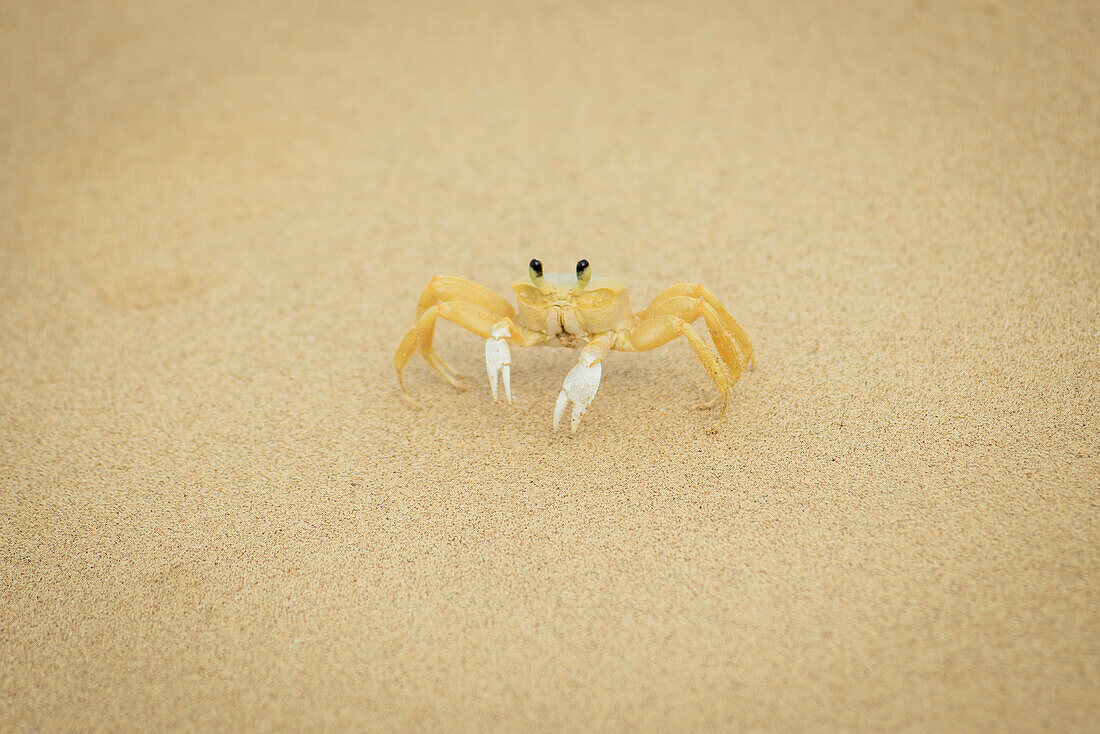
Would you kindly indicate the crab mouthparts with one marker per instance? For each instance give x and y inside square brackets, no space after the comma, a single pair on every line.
[562,321]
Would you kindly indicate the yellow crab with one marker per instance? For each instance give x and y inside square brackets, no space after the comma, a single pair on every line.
[566,310]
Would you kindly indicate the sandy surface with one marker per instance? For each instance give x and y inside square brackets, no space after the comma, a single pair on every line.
[217,511]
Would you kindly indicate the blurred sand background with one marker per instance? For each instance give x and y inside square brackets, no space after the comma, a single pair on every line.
[217,512]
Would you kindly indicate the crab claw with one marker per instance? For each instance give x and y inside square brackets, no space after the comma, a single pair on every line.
[498,359]
[580,385]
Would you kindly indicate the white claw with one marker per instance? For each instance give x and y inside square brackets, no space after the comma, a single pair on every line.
[559,407]
[580,387]
[498,360]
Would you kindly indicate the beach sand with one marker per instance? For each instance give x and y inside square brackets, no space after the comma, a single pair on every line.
[218,513]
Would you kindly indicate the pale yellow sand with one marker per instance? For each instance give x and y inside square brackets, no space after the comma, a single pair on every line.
[218,513]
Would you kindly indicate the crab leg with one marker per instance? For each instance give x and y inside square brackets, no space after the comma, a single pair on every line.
[659,330]
[732,342]
[448,289]
[689,309]
[443,288]
[581,384]
[482,321]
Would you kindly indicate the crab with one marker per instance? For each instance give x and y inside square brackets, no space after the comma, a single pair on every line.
[582,311]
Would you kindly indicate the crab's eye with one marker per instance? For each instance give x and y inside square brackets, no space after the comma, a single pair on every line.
[535,269]
[584,274]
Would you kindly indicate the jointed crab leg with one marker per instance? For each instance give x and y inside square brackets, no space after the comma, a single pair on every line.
[727,334]
[475,318]
[443,288]
[656,331]
[448,288]
[689,310]
[483,321]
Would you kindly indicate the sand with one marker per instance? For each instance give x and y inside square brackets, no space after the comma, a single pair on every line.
[218,514]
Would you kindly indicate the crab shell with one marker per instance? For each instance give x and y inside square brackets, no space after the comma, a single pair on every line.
[563,309]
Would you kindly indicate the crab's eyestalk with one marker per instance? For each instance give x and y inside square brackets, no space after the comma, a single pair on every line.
[584,274]
[534,269]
